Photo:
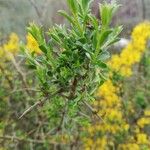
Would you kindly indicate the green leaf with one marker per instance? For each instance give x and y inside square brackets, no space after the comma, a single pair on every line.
[106,12]
[94,42]
[140,99]
[104,55]
[73,5]
[31,66]
[86,4]
[88,55]
[103,36]
[36,32]
[103,14]
[113,41]
[101,64]
[43,49]
[64,13]
[113,37]
[94,21]
[55,37]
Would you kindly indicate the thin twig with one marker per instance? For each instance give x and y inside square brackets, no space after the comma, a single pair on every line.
[32,107]
[73,88]
[29,89]
[35,7]
[22,76]
[81,113]
[38,12]
[143,10]
[94,111]
[14,138]
[45,5]
[38,103]
[6,76]
[61,122]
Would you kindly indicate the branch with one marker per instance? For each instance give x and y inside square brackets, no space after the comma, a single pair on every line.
[143,10]
[94,111]
[32,107]
[73,88]
[40,12]
[45,5]
[35,7]
[38,103]
[20,90]
[6,76]
[61,121]
[22,76]
[13,138]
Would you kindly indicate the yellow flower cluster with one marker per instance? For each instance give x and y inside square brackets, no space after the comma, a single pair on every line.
[129,146]
[10,47]
[110,108]
[99,144]
[141,140]
[142,122]
[32,44]
[132,53]
[116,130]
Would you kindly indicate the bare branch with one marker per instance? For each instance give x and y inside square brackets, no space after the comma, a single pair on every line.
[93,111]
[35,7]
[32,107]
[40,12]
[44,8]
[38,103]
[14,138]
[20,90]
[22,76]
[7,77]
[82,114]
[143,9]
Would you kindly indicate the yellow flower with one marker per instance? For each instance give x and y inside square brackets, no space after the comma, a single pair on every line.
[137,130]
[10,48]
[113,115]
[126,127]
[115,63]
[111,106]
[89,142]
[32,44]
[1,52]
[100,143]
[12,45]
[143,121]
[126,71]
[132,53]
[147,113]
[142,138]
[129,146]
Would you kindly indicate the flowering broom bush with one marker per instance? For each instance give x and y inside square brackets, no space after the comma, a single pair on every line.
[124,125]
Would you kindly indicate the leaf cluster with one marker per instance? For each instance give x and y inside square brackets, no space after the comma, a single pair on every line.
[74,59]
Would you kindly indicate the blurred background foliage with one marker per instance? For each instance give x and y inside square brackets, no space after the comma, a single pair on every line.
[16,14]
